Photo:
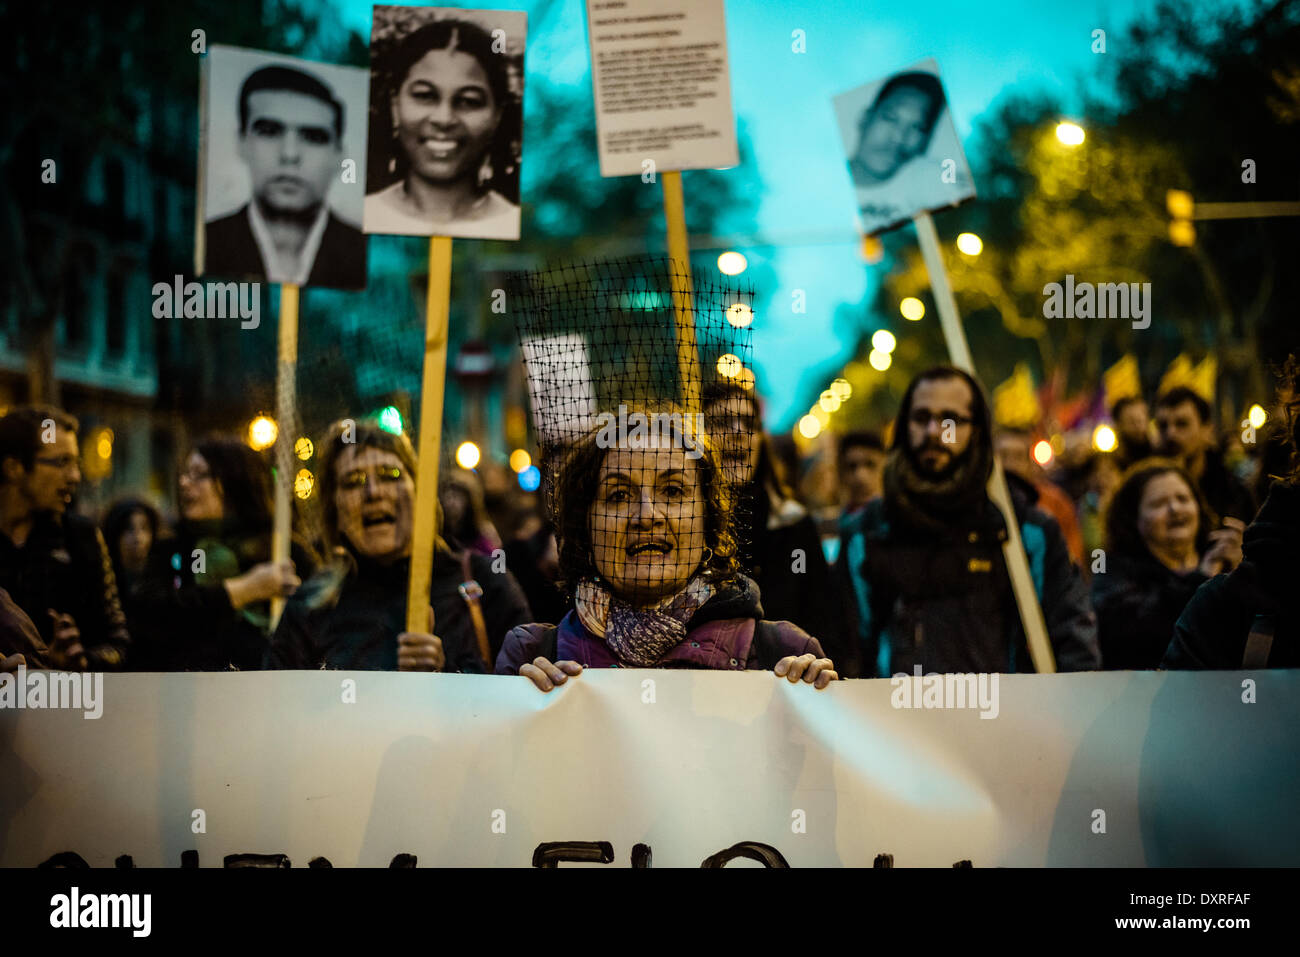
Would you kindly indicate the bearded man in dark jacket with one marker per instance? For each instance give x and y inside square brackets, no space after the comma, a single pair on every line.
[924,562]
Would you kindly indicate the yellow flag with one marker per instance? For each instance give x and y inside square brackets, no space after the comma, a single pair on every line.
[1178,373]
[1122,381]
[1204,377]
[1200,378]
[1015,403]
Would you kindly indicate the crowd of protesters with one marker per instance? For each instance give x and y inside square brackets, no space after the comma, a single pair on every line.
[693,553]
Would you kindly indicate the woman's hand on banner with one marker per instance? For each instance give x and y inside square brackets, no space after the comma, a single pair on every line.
[546,675]
[420,651]
[818,672]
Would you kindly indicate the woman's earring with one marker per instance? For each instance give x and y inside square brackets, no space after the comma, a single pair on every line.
[485,172]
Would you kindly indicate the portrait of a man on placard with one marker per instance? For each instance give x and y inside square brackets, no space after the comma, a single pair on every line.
[902,148]
[283,139]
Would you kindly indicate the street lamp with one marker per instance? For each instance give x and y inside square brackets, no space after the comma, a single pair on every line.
[1070,134]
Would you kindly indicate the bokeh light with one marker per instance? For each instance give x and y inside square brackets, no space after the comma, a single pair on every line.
[1103,439]
[732,263]
[739,315]
[262,432]
[809,427]
[467,455]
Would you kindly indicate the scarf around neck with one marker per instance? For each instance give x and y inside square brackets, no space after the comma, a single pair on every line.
[640,637]
[935,504]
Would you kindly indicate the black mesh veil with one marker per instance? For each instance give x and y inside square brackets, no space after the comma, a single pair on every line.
[635,394]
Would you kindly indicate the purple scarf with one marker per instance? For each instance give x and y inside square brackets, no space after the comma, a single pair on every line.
[640,638]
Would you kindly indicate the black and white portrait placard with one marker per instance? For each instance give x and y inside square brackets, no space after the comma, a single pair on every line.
[281,170]
[903,153]
[446,122]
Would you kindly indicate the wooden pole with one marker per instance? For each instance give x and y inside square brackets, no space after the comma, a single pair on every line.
[679,252]
[433,382]
[286,401]
[1022,583]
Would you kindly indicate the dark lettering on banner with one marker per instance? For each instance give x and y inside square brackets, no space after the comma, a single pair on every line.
[576,852]
[273,861]
[765,854]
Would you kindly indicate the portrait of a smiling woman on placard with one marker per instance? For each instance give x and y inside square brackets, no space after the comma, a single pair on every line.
[446,123]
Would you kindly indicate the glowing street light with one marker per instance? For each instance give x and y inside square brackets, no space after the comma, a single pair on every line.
[1257,416]
[809,427]
[970,244]
[732,263]
[829,401]
[739,315]
[1103,439]
[520,460]
[303,448]
[841,389]
[883,341]
[880,361]
[729,366]
[1070,134]
[467,455]
[912,308]
[262,432]
[1042,452]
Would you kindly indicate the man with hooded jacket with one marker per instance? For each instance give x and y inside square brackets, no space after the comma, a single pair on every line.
[924,564]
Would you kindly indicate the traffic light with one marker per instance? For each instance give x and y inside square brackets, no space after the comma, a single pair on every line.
[1181,207]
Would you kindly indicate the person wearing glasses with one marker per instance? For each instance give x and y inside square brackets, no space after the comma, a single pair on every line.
[352,614]
[924,562]
[204,600]
[54,564]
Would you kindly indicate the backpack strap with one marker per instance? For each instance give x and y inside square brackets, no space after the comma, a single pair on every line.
[1258,644]
[472,592]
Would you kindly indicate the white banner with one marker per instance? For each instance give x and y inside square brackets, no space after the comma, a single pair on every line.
[358,767]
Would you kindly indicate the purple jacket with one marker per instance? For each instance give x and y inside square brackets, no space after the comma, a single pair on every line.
[727,633]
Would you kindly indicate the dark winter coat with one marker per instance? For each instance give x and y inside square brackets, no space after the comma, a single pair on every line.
[1212,631]
[727,633]
[1138,599]
[181,610]
[781,551]
[943,600]
[355,628]
[65,565]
